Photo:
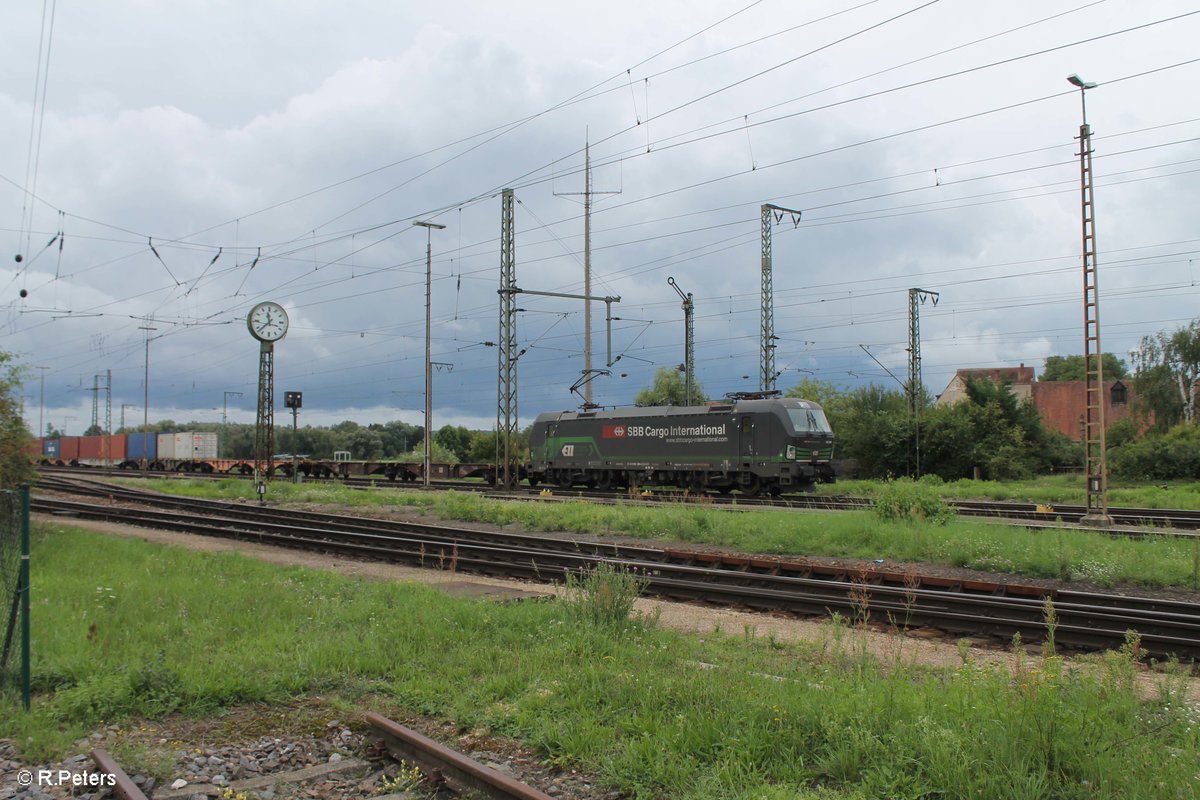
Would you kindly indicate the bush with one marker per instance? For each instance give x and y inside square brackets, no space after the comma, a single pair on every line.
[1174,454]
[905,500]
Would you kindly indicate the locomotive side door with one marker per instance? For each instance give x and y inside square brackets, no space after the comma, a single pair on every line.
[746,436]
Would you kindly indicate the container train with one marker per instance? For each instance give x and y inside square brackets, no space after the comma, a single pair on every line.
[752,445]
[755,446]
[194,452]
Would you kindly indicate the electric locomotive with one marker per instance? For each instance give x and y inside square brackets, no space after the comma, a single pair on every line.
[754,446]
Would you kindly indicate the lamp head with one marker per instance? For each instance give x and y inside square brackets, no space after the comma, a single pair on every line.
[1075,80]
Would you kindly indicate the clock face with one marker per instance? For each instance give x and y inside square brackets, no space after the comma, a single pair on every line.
[268,322]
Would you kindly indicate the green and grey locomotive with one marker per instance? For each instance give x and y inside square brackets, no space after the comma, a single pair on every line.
[755,446]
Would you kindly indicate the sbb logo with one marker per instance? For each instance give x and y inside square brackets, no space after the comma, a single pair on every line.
[614,432]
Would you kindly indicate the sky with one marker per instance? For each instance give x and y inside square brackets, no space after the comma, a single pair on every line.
[168,165]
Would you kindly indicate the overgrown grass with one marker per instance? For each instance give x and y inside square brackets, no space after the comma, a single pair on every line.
[124,627]
[1065,489]
[1153,561]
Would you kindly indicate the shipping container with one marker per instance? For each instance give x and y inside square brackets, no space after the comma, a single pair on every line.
[68,448]
[135,446]
[103,448]
[187,446]
[50,448]
[195,446]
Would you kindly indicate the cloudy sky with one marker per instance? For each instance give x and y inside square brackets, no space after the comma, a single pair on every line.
[188,159]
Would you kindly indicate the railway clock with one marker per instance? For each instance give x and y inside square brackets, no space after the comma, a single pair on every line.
[268,322]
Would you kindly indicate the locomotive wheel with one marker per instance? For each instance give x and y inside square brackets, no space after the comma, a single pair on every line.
[533,481]
[753,488]
[725,489]
[563,479]
[603,480]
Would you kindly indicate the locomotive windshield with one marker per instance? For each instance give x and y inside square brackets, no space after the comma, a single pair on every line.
[809,420]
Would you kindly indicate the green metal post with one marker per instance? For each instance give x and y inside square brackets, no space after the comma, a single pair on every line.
[23,589]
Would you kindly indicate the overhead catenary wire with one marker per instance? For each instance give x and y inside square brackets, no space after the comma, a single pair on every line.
[461,272]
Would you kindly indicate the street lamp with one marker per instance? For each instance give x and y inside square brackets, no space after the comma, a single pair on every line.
[1083,85]
[428,226]
[1093,354]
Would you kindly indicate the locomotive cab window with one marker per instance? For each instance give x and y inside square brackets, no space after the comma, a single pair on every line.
[747,425]
[809,420]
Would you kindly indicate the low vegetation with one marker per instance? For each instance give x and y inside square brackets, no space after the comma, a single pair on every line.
[1049,489]
[1153,561]
[123,628]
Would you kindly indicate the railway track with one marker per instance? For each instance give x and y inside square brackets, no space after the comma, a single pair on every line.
[1086,621]
[1132,521]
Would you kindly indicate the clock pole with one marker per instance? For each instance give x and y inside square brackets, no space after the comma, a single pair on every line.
[268,323]
[264,426]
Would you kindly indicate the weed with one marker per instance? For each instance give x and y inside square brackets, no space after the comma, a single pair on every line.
[604,595]
[905,500]
[1051,616]
[406,779]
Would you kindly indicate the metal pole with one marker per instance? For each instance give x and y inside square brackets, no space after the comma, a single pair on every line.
[428,226]
[23,588]
[221,446]
[295,441]
[1094,396]
[146,402]
[42,404]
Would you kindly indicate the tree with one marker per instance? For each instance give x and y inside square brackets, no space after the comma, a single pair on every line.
[668,390]
[94,430]
[1168,375]
[827,395]
[1070,368]
[455,439]
[873,428]
[15,465]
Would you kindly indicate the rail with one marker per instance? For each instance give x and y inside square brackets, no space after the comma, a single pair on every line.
[439,761]
[1084,620]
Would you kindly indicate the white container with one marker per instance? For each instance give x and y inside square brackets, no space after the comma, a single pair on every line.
[192,446]
[166,446]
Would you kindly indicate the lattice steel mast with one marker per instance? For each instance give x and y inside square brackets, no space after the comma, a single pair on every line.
[767,372]
[506,407]
[916,388]
[689,339]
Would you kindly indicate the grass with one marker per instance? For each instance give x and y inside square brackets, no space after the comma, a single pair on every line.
[1064,489]
[1152,561]
[125,628]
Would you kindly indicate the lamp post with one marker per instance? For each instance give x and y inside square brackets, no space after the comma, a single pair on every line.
[429,227]
[1093,360]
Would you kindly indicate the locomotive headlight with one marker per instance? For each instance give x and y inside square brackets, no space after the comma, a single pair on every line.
[791,452]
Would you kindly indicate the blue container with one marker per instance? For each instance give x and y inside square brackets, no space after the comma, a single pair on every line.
[50,448]
[136,446]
